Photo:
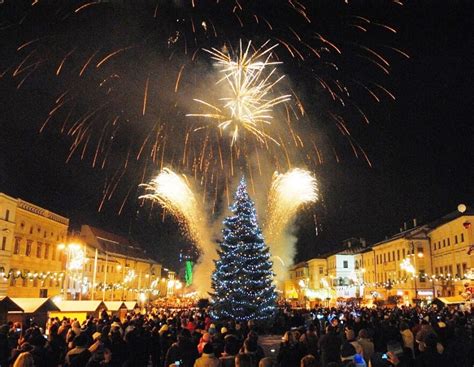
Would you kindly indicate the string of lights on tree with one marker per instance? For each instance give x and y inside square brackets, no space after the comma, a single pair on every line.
[243,277]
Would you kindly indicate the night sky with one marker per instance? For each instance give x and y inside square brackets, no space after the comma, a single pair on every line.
[420,146]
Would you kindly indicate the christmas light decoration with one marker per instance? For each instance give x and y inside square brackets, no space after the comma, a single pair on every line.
[243,278]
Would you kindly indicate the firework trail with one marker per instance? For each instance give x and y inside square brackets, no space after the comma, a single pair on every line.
[288,193]
[173,192]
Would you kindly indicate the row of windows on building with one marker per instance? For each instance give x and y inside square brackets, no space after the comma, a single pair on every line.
[461,269]
[40,231]
[396,256]
[447,242]
[31,228]
[42,249]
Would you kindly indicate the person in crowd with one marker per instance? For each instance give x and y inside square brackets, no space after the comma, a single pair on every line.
[207,359]
[4,345]
[426,329]
[161,336]
[205,339]
[289,353]
[308,361]
[366,345]
[407,337]
[25,359]
[267,362]
[251,348]
[243,360]
[460,348]
[183,350]
[347,353]
[155,347]
[231,349]
[430,355]
[351,338]
[330,345]
[310,340]
[79,355]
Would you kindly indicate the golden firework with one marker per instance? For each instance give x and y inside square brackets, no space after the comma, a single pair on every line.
[249,87]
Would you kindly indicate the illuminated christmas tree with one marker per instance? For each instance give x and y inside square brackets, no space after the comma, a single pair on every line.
[243,278]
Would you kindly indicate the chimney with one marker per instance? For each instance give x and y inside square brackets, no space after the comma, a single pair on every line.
[404,226]
[414,222]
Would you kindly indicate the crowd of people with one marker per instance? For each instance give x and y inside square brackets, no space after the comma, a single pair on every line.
[326,337]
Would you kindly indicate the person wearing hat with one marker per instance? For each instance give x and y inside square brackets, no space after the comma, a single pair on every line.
[80,354]
[218,341]
[212,329]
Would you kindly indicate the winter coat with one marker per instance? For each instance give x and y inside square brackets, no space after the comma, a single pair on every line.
[330,346]
[227,361]
[310,341]
[182,351]
[430,358]
[408,339]
[289,355]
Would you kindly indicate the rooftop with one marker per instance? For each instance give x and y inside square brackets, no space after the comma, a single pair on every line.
[117,245]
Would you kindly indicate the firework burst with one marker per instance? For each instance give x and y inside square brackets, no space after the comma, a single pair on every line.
[289,192]
[249,81]
[173,193]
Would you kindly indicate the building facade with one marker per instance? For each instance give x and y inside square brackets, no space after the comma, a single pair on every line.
[403,266]
[452,252]
[116,269]
[296,284]
[31,264]
[415,265]
[39,257]
[7,234]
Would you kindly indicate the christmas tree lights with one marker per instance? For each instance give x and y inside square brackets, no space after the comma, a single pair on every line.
[243,278]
